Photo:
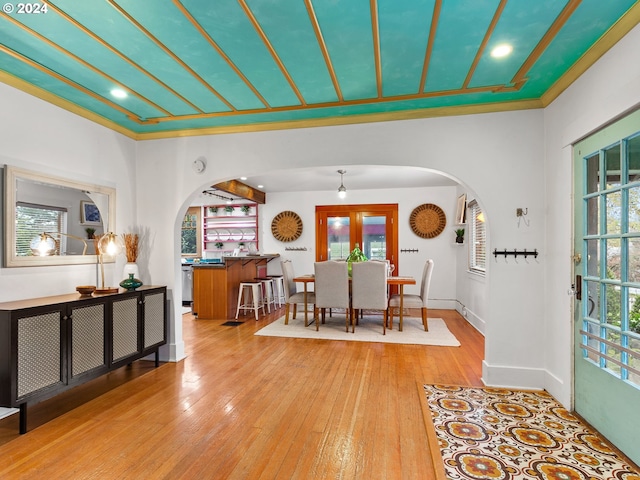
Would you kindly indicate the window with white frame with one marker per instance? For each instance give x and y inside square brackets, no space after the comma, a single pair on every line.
[478,246]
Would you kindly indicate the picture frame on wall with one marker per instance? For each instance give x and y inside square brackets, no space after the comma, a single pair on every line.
[90,215]
[461,209]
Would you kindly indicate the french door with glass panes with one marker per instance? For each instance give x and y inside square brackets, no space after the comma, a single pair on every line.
[372,227]
[607,268]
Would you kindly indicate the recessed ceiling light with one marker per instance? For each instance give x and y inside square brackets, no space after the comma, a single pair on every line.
[260,186]
[501,51]
[243,178]
[119,93]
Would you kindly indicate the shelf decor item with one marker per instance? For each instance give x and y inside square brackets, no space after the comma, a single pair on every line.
[286,226]
[245,209]
[131,249]
[229,209]
[427,220]
[460,235]
[130,283]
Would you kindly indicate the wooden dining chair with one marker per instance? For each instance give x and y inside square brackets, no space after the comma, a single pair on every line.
[331,288]
[369,289]
[415,301]
[292,296]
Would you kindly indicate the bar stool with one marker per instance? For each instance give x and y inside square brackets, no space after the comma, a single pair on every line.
[279,295]
[268,297]
[250,298]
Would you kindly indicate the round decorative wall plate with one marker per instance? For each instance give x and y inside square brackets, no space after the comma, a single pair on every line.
[427,220]
[286,226]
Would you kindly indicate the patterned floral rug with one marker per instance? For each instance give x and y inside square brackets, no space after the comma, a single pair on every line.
[490,433]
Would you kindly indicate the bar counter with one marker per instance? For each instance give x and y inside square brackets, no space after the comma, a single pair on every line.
[215,285]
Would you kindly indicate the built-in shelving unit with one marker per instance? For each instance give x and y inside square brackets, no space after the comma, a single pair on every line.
[229,228]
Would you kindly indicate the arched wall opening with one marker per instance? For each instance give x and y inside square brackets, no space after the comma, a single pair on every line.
[453,287]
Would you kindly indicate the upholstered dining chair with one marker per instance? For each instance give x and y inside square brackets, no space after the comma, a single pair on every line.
[369,289]
[331,288]
[292,296]
[415,301]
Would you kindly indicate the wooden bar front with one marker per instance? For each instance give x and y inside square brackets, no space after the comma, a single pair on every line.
[215,285]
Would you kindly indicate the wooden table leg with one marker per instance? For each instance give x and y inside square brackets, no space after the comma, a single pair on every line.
[401,305]
[306,322]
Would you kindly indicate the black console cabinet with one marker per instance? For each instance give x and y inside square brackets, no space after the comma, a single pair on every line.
[51,344]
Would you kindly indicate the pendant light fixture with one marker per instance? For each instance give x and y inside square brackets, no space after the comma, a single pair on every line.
[342,191]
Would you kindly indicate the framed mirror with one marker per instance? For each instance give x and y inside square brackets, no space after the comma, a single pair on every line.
[68,214]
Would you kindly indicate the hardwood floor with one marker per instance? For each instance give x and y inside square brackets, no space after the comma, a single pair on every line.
[247,407]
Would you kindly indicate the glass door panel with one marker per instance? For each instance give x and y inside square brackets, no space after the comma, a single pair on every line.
[374,237]
[338,238]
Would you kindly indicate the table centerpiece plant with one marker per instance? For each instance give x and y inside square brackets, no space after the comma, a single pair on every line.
[356,255]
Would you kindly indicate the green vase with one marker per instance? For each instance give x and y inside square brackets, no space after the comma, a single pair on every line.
[130,283]
[356,255]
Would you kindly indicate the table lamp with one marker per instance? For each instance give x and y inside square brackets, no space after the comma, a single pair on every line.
[109,244]
[44,245]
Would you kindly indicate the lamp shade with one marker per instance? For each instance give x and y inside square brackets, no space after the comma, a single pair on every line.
[43,245]
[110,244]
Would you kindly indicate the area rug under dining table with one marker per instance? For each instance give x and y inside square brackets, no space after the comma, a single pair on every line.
[495,433]
[369,329]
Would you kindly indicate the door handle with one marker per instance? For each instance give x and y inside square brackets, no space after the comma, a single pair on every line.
[578,287]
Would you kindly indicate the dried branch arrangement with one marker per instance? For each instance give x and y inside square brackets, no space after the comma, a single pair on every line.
[131,246]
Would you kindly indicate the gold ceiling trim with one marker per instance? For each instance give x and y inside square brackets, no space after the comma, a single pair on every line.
[323,47]
[435,19]
[521,75]
[47,71]
[348,120]
[219,50]
[119,54]
[624,25]
[347,103]
[272,50]
[485,41]
[86,64]
[375,32]
[169,52]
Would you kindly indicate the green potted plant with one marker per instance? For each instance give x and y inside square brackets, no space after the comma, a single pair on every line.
[229,209]
[460,235]
[356,255]
[219,245]
[245,209]
[213,210]
[90,232]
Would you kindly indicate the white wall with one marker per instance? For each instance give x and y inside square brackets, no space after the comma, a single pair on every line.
[37,136]
[604,92]
[441,248]
[498,156]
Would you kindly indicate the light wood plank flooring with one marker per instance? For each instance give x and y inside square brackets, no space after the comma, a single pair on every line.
[247,407]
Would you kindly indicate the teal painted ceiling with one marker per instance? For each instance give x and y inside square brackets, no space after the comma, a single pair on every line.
[201,66]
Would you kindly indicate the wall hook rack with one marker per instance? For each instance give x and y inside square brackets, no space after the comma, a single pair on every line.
[409,250]
[295,249]
[516,253]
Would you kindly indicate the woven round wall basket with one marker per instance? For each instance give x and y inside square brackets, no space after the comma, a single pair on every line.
[286,226]
[427,220]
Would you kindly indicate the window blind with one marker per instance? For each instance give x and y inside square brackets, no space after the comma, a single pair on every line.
[478,249]
[33,220]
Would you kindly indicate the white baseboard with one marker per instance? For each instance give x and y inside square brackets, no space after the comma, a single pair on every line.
[172,352]
[513,377]
[475,321]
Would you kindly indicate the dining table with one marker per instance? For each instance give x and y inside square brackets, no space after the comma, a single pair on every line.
[398,280]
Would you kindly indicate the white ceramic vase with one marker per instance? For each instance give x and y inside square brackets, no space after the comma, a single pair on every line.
[131,267]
